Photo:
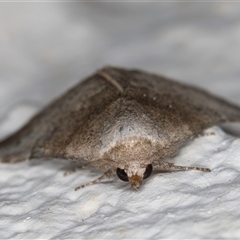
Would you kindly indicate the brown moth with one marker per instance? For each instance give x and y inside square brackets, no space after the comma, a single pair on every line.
[120,121]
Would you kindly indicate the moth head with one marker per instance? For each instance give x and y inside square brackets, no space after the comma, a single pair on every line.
[135,177]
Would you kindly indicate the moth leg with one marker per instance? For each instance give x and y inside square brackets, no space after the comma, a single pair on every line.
[76,169]
[14,158]
[107,174]
[165,166]
[206,134]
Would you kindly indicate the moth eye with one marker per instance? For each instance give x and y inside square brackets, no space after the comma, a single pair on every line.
[148,171]
[122,175]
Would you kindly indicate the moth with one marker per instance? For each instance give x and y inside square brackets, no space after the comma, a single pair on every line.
[122,122]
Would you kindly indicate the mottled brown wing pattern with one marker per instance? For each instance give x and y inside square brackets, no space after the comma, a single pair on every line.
[98,99]
[194,106]
[49,131]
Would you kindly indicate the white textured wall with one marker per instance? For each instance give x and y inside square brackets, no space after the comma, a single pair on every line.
[47,47]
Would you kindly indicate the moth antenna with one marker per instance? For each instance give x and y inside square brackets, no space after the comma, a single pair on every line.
[107,174]
[110,80]
[184,168]
[165,166]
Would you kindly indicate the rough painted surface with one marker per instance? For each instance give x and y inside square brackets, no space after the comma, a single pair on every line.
[47,48]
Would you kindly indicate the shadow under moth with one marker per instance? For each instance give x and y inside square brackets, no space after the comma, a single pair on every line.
[120,121]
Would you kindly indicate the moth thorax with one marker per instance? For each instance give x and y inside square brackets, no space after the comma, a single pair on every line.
[131,150]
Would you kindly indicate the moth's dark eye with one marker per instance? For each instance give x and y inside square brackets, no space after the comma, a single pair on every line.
[148,171]
[122,175]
